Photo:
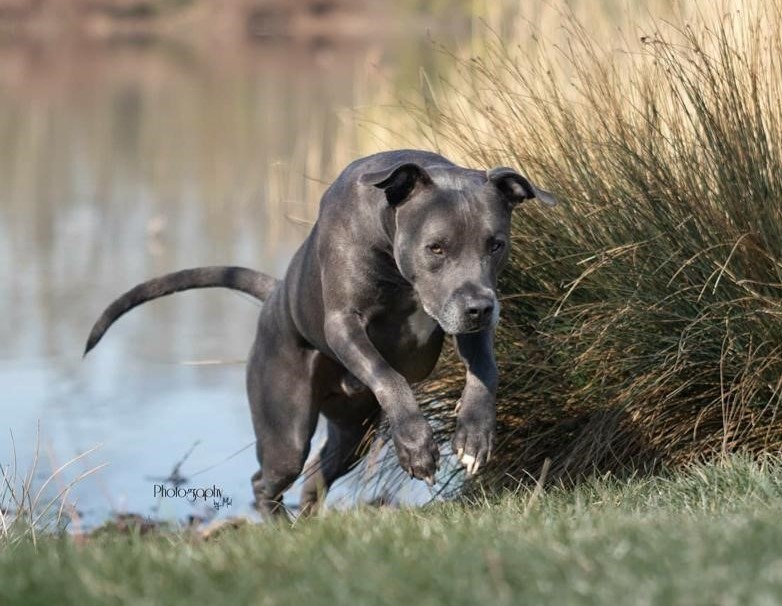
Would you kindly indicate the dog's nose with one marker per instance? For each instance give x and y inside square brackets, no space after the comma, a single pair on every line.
[480,309]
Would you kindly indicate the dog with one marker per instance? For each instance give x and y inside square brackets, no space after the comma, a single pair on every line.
[406,249]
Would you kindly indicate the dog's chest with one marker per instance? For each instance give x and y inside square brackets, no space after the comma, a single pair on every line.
[410,342]
[406,338]
[417,329]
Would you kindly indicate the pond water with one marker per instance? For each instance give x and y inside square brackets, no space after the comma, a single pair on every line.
[124,161]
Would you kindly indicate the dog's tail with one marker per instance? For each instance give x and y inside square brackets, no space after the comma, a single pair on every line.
[249,281]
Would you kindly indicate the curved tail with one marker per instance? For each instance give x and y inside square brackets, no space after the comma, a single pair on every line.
[249,281]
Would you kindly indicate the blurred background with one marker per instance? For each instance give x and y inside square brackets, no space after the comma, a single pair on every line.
[139,137]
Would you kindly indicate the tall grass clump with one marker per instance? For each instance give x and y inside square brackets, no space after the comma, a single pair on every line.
[642,318]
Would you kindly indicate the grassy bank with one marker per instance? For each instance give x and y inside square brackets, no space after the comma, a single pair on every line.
[709,535]
[641,319]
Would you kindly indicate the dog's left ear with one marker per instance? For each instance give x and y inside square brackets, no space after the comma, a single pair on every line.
[516,188]
[398,181]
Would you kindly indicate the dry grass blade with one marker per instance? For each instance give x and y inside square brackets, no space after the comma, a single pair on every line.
[25,511]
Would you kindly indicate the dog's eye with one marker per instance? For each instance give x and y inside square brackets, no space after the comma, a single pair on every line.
[436,249]
[496,246]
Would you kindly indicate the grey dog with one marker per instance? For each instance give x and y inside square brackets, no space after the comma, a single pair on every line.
[406,248]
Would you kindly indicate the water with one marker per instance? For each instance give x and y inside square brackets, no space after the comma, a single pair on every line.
[124,161]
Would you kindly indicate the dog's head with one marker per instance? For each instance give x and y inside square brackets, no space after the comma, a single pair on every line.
[451,236]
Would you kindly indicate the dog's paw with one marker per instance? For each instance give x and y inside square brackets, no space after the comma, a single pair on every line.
[473,439]
[416,449]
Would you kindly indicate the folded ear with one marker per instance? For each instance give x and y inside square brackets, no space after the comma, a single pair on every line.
[517,188]
[398,181]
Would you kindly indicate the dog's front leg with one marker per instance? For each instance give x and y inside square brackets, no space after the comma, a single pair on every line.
[347,337]
[475,426]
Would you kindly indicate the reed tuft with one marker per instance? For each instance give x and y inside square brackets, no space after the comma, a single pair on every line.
[642,318]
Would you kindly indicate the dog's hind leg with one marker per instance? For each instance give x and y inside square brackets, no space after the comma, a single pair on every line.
[284,418]
[345,445]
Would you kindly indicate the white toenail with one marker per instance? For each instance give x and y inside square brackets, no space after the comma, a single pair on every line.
[467,461]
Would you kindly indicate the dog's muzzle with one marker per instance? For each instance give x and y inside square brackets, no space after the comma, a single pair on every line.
[469,313]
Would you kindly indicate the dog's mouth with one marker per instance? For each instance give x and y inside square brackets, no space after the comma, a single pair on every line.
[436,317]
[454,323]
[455,327]
[469,330]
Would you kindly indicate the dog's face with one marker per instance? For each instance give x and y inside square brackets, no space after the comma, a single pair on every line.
[452,236]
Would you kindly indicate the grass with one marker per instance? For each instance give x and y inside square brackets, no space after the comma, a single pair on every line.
[30,506]
[708,535]
[641,318]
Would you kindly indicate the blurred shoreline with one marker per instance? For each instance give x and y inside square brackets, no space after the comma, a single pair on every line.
[213,21]
[56,50]
[51,48]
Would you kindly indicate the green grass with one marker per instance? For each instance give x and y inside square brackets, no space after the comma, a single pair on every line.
[709,535]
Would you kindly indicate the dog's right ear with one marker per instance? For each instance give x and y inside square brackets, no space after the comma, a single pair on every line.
[398,182]
[517,188]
